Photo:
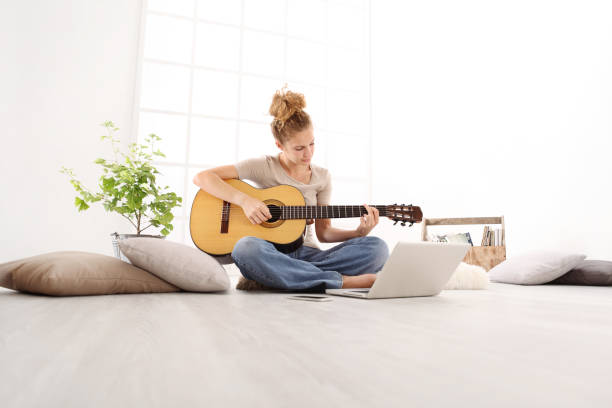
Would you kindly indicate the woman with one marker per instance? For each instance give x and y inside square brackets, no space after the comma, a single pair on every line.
[352,264]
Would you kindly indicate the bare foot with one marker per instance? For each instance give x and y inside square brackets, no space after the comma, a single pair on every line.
[359,281]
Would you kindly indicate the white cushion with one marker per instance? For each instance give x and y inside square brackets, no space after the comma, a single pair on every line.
[535,268]
[188,268]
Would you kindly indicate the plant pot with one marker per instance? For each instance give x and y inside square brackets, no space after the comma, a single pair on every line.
[118,237]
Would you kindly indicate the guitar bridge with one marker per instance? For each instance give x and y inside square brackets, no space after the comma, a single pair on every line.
[225,217]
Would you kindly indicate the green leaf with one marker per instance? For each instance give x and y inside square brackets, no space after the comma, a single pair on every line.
[80,204]
[108,183]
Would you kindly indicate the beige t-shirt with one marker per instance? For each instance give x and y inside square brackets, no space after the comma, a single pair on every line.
[267,171]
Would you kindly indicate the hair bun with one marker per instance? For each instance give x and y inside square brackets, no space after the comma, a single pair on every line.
[285,104]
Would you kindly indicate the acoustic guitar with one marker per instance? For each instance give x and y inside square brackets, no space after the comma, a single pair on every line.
[217,225]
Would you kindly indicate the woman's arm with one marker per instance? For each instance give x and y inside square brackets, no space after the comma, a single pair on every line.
[327,233]
[211,181]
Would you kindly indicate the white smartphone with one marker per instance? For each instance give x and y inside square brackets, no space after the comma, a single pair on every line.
[312,298]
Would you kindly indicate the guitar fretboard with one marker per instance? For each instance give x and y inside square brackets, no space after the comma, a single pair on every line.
[327,211]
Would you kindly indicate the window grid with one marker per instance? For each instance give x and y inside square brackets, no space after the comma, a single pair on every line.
[240,74]
[189,114]
[196,20]
[246,74]
[240,62]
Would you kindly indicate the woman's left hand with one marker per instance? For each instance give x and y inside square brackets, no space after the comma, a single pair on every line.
[368,221]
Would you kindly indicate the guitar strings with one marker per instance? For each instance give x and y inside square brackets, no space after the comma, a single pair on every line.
[305,207]
[304,210]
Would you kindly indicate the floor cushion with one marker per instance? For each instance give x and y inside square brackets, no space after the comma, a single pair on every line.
[71,273]
[188,268]
[588,272]
[535,267]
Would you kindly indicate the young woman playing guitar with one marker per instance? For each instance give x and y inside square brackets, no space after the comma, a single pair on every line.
[351,264]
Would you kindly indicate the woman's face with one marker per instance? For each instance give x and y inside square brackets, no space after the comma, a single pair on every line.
[300,147]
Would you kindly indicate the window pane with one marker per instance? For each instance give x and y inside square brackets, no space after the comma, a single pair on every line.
[346,192]
[180,7]
[346,69]
[348,156]
[174,178]
[255,140]
[164,87]
[215,93]
[168,38]
[263,53]
[347,112]
[212,142]
[256,97]
[217,46]
[356,4]
[306,61]
[171,128]
[178,232]
[315,102]
[307,19]
[266,15]
[226,11]
[346,26]
[320,152]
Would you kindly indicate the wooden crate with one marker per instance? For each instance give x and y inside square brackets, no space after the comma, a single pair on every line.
[485,256]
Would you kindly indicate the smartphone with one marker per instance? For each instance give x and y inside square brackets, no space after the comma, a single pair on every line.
[312,298]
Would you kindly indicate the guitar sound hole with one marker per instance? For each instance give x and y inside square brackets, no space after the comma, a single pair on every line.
[275,211]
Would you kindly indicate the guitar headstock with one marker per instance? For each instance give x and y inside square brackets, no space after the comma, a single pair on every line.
[404,213]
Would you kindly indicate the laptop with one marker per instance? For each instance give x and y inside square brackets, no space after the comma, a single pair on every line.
[413,269]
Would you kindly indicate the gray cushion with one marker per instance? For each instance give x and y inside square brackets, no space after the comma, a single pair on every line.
[589,272]
[535,268]
[186,267]
[71,273]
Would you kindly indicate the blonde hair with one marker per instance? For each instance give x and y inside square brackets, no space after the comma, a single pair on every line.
[289,116]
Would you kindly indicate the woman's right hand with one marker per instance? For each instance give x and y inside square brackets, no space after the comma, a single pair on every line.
[255,210]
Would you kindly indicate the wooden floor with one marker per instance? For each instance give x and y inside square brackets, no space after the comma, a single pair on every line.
[509,346]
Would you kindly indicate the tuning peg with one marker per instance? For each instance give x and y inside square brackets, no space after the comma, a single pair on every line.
[395,222]
[403,223]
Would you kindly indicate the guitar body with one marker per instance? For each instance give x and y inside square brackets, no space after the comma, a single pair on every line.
[216,225]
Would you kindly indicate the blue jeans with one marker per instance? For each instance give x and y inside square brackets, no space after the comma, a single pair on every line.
[308,267]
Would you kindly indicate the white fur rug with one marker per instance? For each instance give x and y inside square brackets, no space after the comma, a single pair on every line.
[468,276]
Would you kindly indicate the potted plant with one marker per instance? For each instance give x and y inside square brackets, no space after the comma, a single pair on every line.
[128,187]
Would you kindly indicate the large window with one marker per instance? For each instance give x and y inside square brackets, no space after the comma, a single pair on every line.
[208,70]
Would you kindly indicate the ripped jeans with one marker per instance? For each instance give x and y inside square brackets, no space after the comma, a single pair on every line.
[307,267]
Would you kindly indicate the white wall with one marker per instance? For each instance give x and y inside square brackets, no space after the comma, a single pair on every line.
[67,66]
[497,108]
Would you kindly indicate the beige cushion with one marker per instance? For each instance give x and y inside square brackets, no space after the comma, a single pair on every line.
[186,267]
[71,273]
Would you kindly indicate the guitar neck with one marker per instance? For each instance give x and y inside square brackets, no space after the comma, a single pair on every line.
[327,211]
